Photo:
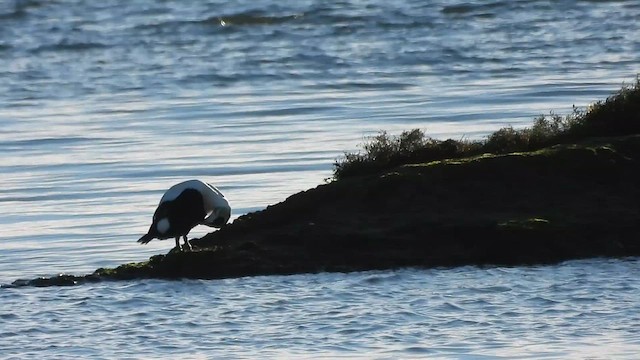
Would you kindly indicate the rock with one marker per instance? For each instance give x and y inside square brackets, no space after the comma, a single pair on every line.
[564,202]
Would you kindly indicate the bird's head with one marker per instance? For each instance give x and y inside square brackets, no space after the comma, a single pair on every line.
[219,217]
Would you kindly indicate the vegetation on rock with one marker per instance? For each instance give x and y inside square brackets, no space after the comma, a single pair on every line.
[619,114]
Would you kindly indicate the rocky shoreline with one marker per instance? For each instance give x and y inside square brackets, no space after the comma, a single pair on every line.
[563,202]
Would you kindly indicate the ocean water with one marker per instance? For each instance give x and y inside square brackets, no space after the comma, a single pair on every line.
[576,310]
[105,104]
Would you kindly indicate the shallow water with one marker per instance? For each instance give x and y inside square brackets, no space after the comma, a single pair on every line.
[104,105]
[580,309]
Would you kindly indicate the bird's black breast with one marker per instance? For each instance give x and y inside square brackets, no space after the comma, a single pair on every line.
[184,212]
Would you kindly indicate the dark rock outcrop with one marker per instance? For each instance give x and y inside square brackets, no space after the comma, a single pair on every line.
[563,202]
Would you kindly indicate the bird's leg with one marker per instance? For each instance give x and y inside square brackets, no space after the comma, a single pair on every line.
[187,244]
[178,243]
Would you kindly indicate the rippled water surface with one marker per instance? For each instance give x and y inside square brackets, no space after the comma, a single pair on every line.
[582,309]
[105,104]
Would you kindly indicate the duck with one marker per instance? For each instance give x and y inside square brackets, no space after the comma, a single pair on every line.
[184,206]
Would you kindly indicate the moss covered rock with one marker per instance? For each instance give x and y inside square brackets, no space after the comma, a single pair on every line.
[562,202]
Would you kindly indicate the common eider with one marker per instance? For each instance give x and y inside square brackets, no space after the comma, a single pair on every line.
[184,206]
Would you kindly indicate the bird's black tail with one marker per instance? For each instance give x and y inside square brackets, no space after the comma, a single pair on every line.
[145,238]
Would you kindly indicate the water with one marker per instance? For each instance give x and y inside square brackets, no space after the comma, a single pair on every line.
[104,105]
[581,309]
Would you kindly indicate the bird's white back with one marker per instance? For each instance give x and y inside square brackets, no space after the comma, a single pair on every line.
[211,196]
